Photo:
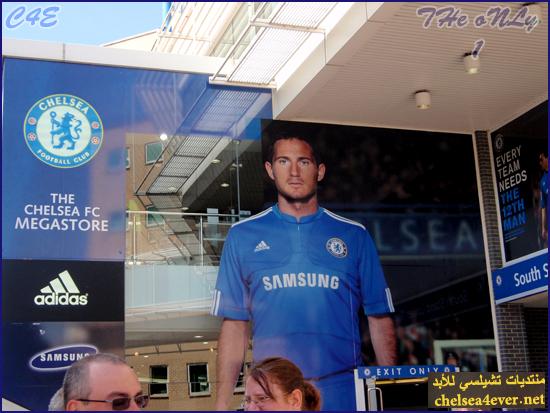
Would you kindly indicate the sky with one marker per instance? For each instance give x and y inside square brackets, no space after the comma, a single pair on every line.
[81,22]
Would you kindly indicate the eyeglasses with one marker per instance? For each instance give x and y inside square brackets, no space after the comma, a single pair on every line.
[258,401]
[122,403]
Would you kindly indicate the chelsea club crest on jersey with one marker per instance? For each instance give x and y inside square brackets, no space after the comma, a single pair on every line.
[63,131]
[337,247]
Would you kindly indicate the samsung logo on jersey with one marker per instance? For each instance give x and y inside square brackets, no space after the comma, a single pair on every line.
[60,358]
[301,279]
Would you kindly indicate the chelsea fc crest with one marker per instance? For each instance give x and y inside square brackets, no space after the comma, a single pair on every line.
[337,247]
[63,131]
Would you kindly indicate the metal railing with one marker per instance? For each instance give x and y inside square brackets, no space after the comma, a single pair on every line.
[176,238]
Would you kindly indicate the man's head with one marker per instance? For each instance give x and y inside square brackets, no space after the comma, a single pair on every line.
[56,402]
[293,164]
[102,382]
[543,160]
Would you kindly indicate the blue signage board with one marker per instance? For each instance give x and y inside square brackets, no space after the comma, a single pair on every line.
[37,355]
[64,143]
[522,278]
[402,372]
[64,133]
[63,171]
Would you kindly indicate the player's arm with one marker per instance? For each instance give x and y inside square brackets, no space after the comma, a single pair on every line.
[377,303]
[232,346]
[382,332]
[544,229]
[230,302]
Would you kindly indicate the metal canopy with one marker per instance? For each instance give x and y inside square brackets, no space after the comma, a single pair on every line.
[278,34]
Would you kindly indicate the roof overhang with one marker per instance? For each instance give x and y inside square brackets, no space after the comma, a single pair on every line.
[369,67]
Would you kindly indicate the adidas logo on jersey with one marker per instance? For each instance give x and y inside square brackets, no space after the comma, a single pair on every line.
[261,246]
[61,291]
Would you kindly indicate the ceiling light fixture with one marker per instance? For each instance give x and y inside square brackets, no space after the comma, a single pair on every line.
[471,63]
[186,209]
[198,336]
[163,136]
[215,161]
[224,185]
[423,99]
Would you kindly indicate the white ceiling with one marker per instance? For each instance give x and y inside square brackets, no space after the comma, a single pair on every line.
[372,78]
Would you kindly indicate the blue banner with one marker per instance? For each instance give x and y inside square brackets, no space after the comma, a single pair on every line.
[402,372]
[64,140]
[521,279]
[519,179]
[36,355]
[63,172]
[65,131]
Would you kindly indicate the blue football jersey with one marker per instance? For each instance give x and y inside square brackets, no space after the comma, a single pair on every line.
[543,185]
[302,283]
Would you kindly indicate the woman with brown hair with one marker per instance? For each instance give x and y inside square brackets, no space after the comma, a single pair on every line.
[278,384]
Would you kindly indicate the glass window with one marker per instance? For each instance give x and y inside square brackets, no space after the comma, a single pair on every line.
[198,379]
[159,381]
[239,387]
[127,158]
[153,219]
[153,152]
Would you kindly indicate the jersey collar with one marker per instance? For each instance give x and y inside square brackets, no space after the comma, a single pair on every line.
[294,220]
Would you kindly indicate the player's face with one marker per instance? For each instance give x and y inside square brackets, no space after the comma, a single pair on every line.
[543,161]
[294,171]
[256,399]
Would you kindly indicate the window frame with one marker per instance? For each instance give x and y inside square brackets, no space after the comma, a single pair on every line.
[128,161]
[152,221]
[158,395]
[242,376]
[199,393]
[160,158]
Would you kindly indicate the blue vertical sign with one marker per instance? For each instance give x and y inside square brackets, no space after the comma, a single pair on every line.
[63,223]
[63,207]
[62,163]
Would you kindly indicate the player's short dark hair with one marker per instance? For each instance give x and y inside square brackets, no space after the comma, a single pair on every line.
[290,135]
[544,152]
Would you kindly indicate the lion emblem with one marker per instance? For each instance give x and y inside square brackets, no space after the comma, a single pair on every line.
[68,128]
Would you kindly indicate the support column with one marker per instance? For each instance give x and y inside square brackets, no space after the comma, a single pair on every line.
[508,319]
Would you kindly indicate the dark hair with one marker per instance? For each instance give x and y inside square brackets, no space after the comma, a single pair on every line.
[76,381]
[286,374]
[287,135]
[451,355]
